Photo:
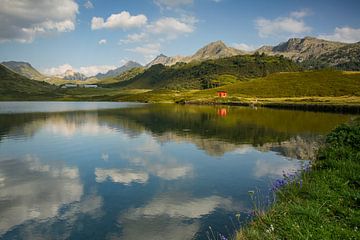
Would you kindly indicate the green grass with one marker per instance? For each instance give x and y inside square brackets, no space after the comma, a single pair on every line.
[16,87]
[96,94]
[327,204]
[311,87]
[296,84]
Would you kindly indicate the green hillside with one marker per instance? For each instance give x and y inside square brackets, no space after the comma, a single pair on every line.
[208,74]
[299,84]
[25,69]
[16,87]
[310,85]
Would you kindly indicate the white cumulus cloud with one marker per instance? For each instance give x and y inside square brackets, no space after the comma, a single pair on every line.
[136,37]
[88,5]
[86,70]
[147,49]
[343,34]
[23,20]
[244,47]
[172,27]
[121,20]
[59,70]
[95,69]
[102,41]
[294,24]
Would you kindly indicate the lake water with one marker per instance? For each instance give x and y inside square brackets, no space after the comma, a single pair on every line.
[134,171]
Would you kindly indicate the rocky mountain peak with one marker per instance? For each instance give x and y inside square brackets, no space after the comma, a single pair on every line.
[215,50]
[164,60]
[300,49]
[72,75]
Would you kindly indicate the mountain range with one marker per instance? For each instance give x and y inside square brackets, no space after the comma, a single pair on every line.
[214,50]
[308,52]
[312,52]
[318,53]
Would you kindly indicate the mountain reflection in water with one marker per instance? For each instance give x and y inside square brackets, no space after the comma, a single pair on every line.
[145,172]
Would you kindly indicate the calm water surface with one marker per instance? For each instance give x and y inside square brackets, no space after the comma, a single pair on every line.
[133,171]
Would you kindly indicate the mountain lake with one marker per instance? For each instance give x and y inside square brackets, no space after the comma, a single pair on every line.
[101,170]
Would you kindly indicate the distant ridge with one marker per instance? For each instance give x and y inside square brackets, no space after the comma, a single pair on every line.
[115,72]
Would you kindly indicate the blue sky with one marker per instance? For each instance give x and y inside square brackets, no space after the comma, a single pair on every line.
[97,35]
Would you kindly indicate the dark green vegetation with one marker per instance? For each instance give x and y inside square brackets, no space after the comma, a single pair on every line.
[124,76]
[16,87]
[326,206]
[208,74]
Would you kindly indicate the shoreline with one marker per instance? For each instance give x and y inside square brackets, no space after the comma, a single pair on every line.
[325,203]
[313,107]
[338,108]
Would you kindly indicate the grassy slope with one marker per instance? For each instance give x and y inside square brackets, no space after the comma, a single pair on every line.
[327,204]
[296,87]
[202,75]
[25,70]
[16,87]
[297,84]
[99,94]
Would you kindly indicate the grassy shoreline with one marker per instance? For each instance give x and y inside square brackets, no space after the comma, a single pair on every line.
[304,106]
[343,104]
[326,205]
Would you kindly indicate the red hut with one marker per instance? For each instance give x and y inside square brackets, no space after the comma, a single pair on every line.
[222,94]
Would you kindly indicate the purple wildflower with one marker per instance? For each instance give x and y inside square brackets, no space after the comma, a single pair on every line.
[222,237]
[300,183]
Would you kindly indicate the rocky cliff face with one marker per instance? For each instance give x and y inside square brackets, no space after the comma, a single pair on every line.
[165,60]
[318,52]
[214,50]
